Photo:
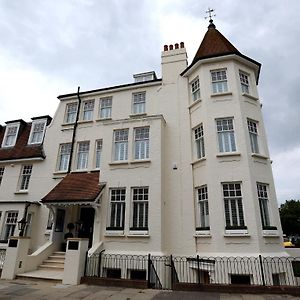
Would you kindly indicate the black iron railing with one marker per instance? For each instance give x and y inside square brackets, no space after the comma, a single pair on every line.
[164,272]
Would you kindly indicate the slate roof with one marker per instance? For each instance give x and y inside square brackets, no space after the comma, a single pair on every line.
[76,187]
[21,149]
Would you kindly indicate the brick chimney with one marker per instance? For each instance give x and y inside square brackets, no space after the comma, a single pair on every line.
[173,61]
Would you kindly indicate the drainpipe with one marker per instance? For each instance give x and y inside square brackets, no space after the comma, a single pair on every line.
[74,131]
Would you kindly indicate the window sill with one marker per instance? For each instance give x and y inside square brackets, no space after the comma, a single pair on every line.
[195,103]
[138,115]
[114,233]
[198,161]
[116,163]
[138,233]
[229,233]
[80,171]
[202,233]
[224,154]
[67,124]
[85,121]
[236,232]
[257,155]
[103,119]
[270,233]
[21,192]
[140,161]
[249,96]
[221,94]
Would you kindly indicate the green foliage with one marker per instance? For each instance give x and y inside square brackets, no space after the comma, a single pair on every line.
[290,217]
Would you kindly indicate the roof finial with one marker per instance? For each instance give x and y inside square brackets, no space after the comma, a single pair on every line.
[210,15]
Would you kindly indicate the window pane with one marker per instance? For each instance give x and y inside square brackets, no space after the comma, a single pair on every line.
[140,208]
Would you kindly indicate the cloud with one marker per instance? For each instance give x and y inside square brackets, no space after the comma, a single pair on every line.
[50,47]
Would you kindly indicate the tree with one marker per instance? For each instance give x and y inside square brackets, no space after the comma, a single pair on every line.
[290,217]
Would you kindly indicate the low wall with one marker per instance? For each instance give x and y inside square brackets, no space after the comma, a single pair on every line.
[138,284]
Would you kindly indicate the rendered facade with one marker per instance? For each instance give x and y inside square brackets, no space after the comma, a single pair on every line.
[177,165]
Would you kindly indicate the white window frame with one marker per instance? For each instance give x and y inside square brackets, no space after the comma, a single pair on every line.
[11,134]
[263,199]
[139,103]
[226,135]
[121,144]
[199,141]
[2,169]
[10,225]
[117,209]
[244,80]
[98,153]
[219,81]
[233,205]
[88,110]
[141,143]
[71,112]
[105,108]
[140,208]
[195,89]
[253,135]
[83,149]
[202,205]
[26,172]
[37,132]
[63,159]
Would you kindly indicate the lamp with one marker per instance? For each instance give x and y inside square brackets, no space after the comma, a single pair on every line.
[21,226]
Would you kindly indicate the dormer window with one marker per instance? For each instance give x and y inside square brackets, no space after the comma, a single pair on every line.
[147,76]
[10,136]
[37,132]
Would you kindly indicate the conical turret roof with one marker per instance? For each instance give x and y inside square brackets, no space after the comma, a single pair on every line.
[215,44]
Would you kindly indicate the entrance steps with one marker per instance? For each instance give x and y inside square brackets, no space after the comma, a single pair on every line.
[51,269]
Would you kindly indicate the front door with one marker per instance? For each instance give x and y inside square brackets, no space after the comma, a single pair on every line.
[87,215]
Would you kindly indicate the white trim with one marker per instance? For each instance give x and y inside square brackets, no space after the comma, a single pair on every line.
[16,124]
[21,160]
[34,122]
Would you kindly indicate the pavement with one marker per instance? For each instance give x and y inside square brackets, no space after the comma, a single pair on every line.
[44,290]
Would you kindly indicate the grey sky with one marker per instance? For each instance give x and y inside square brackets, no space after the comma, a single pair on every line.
[50,47]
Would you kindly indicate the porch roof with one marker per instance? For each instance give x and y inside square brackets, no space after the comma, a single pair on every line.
[76,188]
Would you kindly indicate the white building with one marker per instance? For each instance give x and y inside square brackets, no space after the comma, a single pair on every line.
[177,165]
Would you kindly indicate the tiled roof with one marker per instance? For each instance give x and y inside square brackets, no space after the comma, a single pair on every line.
[21,149]
[75,187]
[214,44]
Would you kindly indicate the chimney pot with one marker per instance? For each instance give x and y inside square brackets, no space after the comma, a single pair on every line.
[166,48]
[176,46]
[171,47]
[182,45]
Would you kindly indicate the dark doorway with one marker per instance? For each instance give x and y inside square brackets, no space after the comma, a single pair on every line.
[87,215]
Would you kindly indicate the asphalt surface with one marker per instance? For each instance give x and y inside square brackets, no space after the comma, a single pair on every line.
[31,290]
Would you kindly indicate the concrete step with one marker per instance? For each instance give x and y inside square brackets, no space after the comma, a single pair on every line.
[43,274]
[53,261]
[52,267]
[52,257]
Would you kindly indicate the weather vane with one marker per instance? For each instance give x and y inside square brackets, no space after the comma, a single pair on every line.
[210,15]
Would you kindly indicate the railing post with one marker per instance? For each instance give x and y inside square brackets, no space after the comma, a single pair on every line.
[198,269]
[149,271]
[85,263]
[172,271]
[99,263]
[262,270]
